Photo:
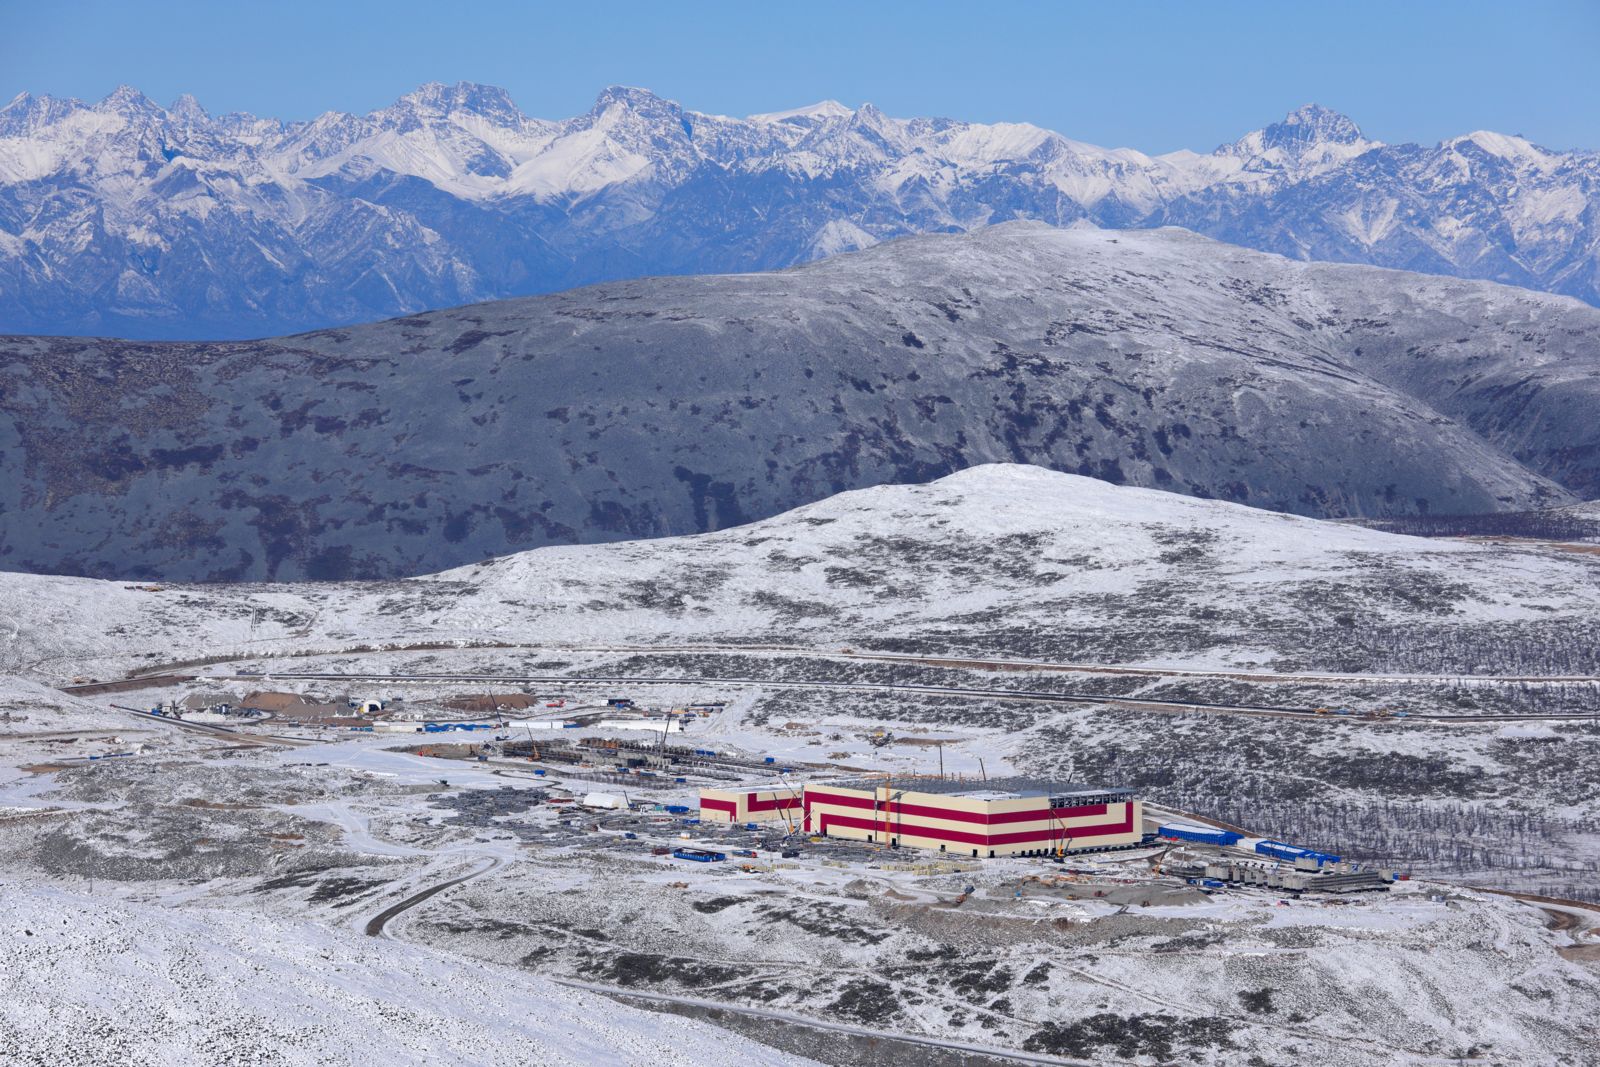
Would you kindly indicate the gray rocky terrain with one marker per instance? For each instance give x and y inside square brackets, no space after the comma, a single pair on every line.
[668,406]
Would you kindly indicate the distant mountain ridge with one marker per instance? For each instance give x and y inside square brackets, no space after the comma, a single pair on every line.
[663,406]
[127,218]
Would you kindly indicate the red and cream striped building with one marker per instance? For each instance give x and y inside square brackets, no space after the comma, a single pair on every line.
[1006,817]
[749,805]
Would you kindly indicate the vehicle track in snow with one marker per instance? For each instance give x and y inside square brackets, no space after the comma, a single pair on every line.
[376,925]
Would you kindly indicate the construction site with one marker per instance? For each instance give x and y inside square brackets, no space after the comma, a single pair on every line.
[671,798]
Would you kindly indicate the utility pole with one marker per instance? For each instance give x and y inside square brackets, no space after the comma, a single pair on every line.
[941,761]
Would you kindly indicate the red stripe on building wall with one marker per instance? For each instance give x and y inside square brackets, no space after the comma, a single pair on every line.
[720,805]
[776,804]
[1068,833]
[928,811]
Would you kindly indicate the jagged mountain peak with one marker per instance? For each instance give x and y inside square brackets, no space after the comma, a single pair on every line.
[1308,132]
[27,113]
[1308,140]
[188,109]
[480,201]
[440,99]
[646,133]
[634,99]
[869,124]
[1313,123]
[125,99]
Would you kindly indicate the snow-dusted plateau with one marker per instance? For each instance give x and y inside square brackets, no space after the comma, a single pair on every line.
[231,889]
[116,217]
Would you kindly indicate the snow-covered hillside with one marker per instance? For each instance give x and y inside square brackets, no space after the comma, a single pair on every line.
[30,710]
[120,216]
[999,558]
[675,405]
[90,980]
[204,898]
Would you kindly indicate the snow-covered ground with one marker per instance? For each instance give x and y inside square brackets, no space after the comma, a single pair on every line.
[209,905]
[90,981]
[206,898]
[1003,559]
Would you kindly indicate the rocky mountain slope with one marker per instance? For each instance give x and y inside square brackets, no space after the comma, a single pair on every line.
[667,406]
[123,217]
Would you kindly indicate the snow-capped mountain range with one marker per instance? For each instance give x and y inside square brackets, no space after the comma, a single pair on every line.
[125,217]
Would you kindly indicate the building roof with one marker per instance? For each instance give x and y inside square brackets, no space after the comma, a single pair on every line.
[993,789]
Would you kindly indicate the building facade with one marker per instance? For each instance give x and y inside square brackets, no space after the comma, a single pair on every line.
[750,805]
[1008,817]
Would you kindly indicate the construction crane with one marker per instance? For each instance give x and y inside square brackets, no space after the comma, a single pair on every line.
[661,747]
[1155,868]
[888,781]
[784,813]
[1062,837]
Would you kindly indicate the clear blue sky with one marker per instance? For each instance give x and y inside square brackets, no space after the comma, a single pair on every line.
[1155,76]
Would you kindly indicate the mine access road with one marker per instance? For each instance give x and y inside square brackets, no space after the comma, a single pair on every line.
[975,692]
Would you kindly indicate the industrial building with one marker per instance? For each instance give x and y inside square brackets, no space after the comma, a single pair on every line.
[750,805]
[1000,817]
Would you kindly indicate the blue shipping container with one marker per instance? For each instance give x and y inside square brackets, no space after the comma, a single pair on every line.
[698,855]
[1283,851]
[1195,833]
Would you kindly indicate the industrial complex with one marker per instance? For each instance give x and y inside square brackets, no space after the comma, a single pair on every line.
[1004,817]
[804,808]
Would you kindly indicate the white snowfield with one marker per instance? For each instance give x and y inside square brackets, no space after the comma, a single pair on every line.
[1018,544]
[104,982]
[30,710]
